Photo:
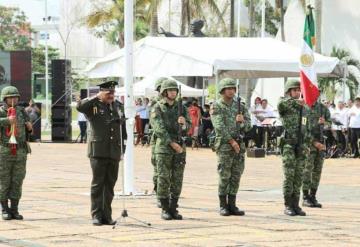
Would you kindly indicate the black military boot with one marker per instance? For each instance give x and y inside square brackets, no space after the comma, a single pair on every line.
[289,210]
[296,207]
[173,209]
[313,198]
[224,208]
[165,214]
[232,206]
[307,202]
[14,210]
[5,211]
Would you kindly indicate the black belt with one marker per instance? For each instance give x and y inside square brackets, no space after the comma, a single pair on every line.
[18,145]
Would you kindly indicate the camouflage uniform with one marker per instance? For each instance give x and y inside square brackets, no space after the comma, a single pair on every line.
[230,164]
[12,167]
[170,165]
[315,161]
[294,148]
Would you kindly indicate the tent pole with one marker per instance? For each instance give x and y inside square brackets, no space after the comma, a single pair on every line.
[129,99]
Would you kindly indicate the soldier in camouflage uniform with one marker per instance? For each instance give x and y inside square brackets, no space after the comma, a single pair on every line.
[294,146]
[319,115]
[169,150]
[230,149]
[13,165]
[153,137]
[106,117]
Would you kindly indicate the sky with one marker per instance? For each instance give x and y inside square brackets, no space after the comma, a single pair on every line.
[34,9]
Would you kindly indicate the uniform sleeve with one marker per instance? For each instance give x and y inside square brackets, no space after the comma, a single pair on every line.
[85,105]
[246,125]
[25,114]
[4,121]
[218,123]
[159,126]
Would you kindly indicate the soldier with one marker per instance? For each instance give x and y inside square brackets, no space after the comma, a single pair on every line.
[104,148]
[169,148]
[14,125]
[293,145]
[229,124]
[153,137]
[319,115]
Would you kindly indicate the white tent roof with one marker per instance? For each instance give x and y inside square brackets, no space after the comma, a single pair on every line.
[146,87]
[238,57]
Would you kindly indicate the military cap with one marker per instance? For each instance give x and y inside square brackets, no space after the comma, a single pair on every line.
[226,83]
[291,84]
[9,91]
[108,86]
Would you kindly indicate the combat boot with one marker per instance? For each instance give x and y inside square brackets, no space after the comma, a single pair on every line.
[5,211]
[165,214]
[173,209]
[313,198]
[296,207]
[232,206]
[307,202]
[289,210]
[224,208]
[14,210]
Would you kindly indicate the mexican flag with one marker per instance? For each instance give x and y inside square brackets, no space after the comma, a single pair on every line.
[308,78]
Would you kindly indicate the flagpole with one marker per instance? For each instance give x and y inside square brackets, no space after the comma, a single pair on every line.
[129,98]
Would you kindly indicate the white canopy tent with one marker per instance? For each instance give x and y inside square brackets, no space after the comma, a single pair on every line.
[145,88]
[235,57]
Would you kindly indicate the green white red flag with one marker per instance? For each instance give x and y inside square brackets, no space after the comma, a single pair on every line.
[308,78]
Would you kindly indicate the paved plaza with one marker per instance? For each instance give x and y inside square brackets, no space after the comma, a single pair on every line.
[56,205]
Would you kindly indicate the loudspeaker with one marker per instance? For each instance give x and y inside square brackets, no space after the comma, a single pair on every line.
[83,93]
[255,152]
[61,100]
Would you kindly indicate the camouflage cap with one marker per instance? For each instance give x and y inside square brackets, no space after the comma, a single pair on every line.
[168,84]
[9,91]
[291,84]
[226,83]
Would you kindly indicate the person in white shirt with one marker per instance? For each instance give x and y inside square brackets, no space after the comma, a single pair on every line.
[354,126]
[255,110]
[82,121]
[265,111]
[339,119]
[144,114]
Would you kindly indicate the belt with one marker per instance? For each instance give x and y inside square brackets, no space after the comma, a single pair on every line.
[18,145]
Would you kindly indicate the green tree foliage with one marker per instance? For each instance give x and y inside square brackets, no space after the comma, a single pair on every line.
[38,58]
[15,30]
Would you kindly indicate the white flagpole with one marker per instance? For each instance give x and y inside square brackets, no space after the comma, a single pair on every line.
[129,98]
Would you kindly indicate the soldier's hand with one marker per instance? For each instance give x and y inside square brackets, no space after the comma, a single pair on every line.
[178,149]
[12,120]
[101,95]
[235,146]
[28,126]
[319,146]
[321,120]
[181,120]
[301,102]
[239,118]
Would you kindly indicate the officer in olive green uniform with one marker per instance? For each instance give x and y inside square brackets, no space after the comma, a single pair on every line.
[13,152]
[294,145]
[106,117]
[153,137]
[169,127]
[319,116]
[230,126]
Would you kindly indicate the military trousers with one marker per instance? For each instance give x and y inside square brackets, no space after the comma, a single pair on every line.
[293,168]
[170,170]
[12,174]
[105,174]
[153,162]
[312,172]
[230,168]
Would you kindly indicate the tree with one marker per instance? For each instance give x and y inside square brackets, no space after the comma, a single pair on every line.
[330,86]
[191,9]
[38,58]
[15,31]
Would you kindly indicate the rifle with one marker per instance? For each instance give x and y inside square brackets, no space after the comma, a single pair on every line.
[321,139]
[299,134]
[240,135]
[180,138]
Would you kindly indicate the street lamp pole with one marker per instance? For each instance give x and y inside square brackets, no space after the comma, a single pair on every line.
[46,67]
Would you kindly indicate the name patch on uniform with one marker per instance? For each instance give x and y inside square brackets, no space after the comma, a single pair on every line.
[304,121]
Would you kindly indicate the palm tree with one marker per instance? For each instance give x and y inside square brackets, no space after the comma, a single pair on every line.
[191,9]
[330,86]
